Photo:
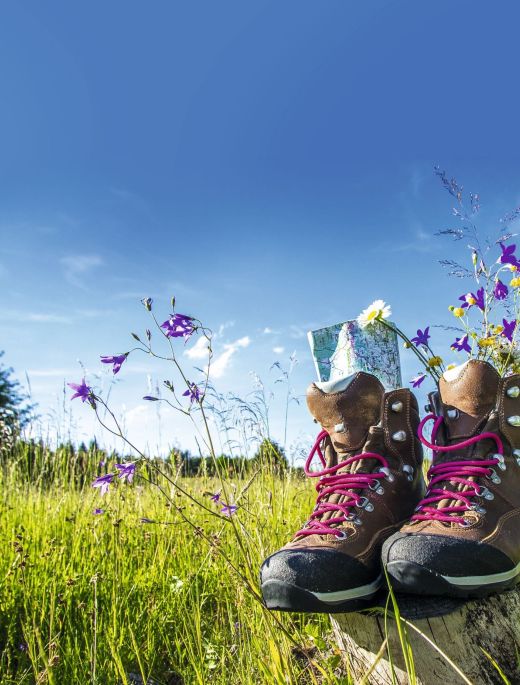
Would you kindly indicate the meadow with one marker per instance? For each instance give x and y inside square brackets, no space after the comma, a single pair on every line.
[155,586]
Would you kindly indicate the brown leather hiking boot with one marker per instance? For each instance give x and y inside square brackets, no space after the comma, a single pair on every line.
[464,539]
[369,485]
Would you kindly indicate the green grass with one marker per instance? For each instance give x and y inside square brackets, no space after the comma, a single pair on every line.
[94,598]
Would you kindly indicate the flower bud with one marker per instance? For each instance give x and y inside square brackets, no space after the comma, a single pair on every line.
[474,258]
[451,308]
[407,345]
[173,303]
[147,302]
[148,334]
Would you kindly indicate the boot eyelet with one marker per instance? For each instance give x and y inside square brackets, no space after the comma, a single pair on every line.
[364,503]
[453,414]
[341,535]
[516,455]
[486,494]
[409,470]
[352,518]
[501,461]
[478,509]
[466,523]
[513,391]
[377,488]
[388,476]
[494,477]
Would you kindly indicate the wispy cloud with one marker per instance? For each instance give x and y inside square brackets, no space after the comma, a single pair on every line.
[278,350]
[297,332]
[199,350]
[419,241]
[221,363]
[52,373]
[53,317]
[35,317]
[76,267]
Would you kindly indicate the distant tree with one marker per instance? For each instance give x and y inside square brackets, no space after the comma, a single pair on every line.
[271,455]
[15,409]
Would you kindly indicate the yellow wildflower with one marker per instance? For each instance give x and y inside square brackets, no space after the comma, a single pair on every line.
[515,282]
[458,312]
[434,361]
[487,342]
[450,367]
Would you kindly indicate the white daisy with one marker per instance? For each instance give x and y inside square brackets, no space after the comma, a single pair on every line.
[377,310]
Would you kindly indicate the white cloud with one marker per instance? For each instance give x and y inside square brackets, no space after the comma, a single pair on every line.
[278,350]
[221,363]
[77,266]
[199,350]
[222,328]
[267,330]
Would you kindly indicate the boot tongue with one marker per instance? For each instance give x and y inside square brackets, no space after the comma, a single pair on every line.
[468,394]
[346,409]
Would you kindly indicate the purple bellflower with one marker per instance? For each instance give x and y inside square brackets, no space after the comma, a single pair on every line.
[508,255]
[126,471]
[509,329]
[422,337]
[82,390]
[461,344]
[103,483]
[215,497]
[469,299]
[193,392]
[500,290]
[416,382]
[178,326]
[115,359]
[228,509]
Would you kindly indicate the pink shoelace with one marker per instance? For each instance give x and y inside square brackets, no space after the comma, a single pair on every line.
[333,483]
[455,472]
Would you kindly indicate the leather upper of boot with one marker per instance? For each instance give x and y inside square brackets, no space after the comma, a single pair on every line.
[473,402]
[359,419]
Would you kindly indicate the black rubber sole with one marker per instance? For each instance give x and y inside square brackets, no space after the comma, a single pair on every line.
[279,595]
[412,578]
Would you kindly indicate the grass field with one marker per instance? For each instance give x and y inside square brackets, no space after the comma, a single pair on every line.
[93,598]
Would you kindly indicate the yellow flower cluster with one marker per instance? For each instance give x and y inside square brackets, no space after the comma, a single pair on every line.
[515,282]
[434,361]
[487,342]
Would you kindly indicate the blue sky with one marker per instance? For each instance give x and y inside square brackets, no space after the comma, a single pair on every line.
[269,163]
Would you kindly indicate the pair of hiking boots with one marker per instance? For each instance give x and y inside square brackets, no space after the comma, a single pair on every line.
[458,536]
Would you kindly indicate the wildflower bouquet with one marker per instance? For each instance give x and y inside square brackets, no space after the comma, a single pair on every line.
[487,314]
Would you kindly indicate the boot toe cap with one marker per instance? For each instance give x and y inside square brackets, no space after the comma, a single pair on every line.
[445,555]
[317,569]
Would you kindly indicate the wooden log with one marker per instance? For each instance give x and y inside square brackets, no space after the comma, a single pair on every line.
[448,639]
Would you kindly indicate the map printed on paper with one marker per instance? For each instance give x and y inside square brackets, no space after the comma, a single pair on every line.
[346,348]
